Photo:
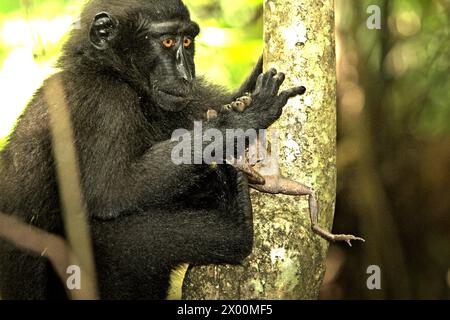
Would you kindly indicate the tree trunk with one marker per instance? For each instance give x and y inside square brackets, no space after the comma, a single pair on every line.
[288,260]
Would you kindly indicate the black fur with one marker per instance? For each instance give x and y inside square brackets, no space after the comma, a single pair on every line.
[146,214]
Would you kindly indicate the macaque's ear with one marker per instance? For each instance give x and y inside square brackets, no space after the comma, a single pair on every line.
[104,29]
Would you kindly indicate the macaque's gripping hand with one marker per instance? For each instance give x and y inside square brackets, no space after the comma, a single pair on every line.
[267,103]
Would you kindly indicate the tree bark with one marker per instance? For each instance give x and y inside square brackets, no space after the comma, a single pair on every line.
[288,260]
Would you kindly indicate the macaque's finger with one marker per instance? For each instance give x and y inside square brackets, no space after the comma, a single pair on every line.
[259,83]
[290,93]
[268,76]
[279,79]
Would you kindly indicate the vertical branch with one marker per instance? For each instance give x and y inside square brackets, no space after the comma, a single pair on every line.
[68,174]
[288,260]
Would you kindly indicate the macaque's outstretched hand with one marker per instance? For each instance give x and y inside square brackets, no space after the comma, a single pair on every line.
[275,183]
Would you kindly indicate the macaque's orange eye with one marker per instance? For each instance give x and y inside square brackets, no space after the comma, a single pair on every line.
[187,42]
[168,43]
